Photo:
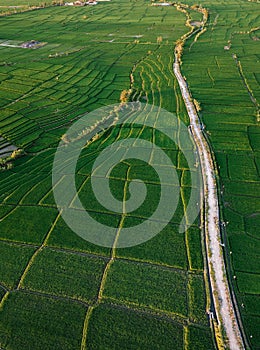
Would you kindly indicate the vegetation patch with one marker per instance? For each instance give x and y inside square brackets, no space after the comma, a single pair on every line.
[30,320]
[148,286]
[125,328]
[53,272]
[13,260]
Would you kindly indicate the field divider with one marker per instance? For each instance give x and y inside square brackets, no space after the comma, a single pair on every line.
[148,310]
[85,328]
[185,338]
[44,243]
[186,231]
[5,296]
[113,249]
[247,86]
[156,313]
[4,299]
[9,213]
[6,289]
[104,276]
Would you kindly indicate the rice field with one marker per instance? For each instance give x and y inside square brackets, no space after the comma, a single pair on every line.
[58,290]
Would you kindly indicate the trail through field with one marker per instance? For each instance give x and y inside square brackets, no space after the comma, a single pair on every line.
[9,45]
[216,265]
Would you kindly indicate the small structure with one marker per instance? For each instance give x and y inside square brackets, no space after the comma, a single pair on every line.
[162,4]
[32,44]
[81,3]
[228,46]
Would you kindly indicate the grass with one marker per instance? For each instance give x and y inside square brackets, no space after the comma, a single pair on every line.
[13,260]
[128,329]
[147,286]
[63,237]
[53,272]
[27,224]
[248,283]
[196,293]
[199,339]
[166,248]
[194,249]
[250,247]
[30,320]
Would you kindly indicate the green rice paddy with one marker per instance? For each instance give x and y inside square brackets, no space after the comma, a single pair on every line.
[59,291]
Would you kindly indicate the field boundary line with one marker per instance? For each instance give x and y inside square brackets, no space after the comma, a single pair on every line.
[172,318]
[185,338]
[6,289]
[101,287]
[27,268]
[85,328]
[50,296]
[247,86]
[157,265]
[142,308]
[113,250]
[4,299]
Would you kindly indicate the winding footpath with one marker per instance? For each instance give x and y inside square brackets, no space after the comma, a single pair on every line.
[226,317]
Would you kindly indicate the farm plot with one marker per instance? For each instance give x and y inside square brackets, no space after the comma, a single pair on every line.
[225,83]
[68,292]
[53,272]
[123,327]
[30,320]
[14,259]
[147,286]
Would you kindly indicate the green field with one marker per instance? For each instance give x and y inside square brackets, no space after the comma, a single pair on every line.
[59,291]
[151,296]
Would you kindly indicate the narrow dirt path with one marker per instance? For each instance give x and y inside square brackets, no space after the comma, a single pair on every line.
[226,317]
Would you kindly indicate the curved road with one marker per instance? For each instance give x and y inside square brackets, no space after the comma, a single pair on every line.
[217,270]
